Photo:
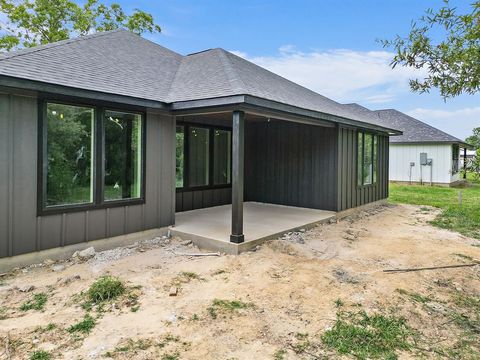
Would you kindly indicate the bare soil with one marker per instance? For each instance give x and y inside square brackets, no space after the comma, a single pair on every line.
[287,286]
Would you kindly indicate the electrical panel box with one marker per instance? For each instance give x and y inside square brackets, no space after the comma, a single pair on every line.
[423,158]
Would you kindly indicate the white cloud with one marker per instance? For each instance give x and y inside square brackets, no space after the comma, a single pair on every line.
[459,122]
[344,75]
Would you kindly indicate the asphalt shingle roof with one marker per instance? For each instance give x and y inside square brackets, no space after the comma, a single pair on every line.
[122,63]
[414,131]
[117,62]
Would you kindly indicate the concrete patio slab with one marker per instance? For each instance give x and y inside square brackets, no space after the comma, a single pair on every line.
[209,228]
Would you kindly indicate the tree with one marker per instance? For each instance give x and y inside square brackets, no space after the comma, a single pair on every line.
[36,22]
[452,61]
[474,139]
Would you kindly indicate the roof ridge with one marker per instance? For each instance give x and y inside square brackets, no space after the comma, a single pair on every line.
[26,51]
[227,63]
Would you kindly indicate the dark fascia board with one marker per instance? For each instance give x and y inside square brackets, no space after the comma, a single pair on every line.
[251,103]
[25,84]
[460,143]
[247,103]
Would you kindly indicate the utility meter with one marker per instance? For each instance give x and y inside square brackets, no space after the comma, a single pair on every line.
[423,158]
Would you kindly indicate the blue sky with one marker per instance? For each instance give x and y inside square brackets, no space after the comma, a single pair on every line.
[328,46]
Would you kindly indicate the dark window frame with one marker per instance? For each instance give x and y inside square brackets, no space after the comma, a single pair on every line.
[186,185]
[375,159]
[455,159]
[98,154]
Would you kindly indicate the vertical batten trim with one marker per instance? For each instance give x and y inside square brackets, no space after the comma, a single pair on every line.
[86,230]
[10,170]
[64,230]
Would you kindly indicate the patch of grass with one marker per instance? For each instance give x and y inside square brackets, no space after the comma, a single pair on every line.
[415,296]
[174,356]
[185,277]
[3,312]
[465,257]
[37,302]
[84,326]
[279,354]
[219,272]
[368,336]
[104,289]
[40,355]
[226,306]
[467,302]
[464,218]
[195,317]
[339,303]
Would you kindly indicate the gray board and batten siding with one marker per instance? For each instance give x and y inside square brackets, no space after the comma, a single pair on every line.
[22,231]
[309,166]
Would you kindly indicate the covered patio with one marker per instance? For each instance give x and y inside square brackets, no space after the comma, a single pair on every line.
[249,176]
[211,227]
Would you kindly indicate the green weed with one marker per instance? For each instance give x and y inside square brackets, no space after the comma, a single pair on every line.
[104,289]
[84,326]
[368,336]
[37,302]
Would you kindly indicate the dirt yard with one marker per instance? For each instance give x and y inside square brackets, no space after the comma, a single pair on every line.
[277,302]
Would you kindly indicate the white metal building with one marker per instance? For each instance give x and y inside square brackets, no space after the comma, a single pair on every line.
[423,154]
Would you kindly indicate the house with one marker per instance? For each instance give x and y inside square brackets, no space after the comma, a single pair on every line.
[422,154]
[110,135]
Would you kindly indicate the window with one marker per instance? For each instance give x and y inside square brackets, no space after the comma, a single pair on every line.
[222,161]
[455,158]
[75,139]
[198,156]
[123,155]
[367,154]
[203,156]
[69,154]
[179,157]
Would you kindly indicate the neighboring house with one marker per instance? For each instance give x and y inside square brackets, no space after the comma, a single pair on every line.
[111,134]
[423,154]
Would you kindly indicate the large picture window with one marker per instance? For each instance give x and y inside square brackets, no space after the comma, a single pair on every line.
[367,153]
[90,157]
[69,154]
[203,156]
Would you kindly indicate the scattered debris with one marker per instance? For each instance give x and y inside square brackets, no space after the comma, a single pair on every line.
[25,288]
[198,254]
[295,237]
[113,254]
[58,267]
[344,276]
[430,268]
[186,242]
[173,291]
[86,254]
[68,279]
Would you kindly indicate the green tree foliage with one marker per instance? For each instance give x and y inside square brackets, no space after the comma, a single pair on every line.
[446,44]
[36,22]
[474,139]
[69,154]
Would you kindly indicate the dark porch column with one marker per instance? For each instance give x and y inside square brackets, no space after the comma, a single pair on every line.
[464,162]
[238,127]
